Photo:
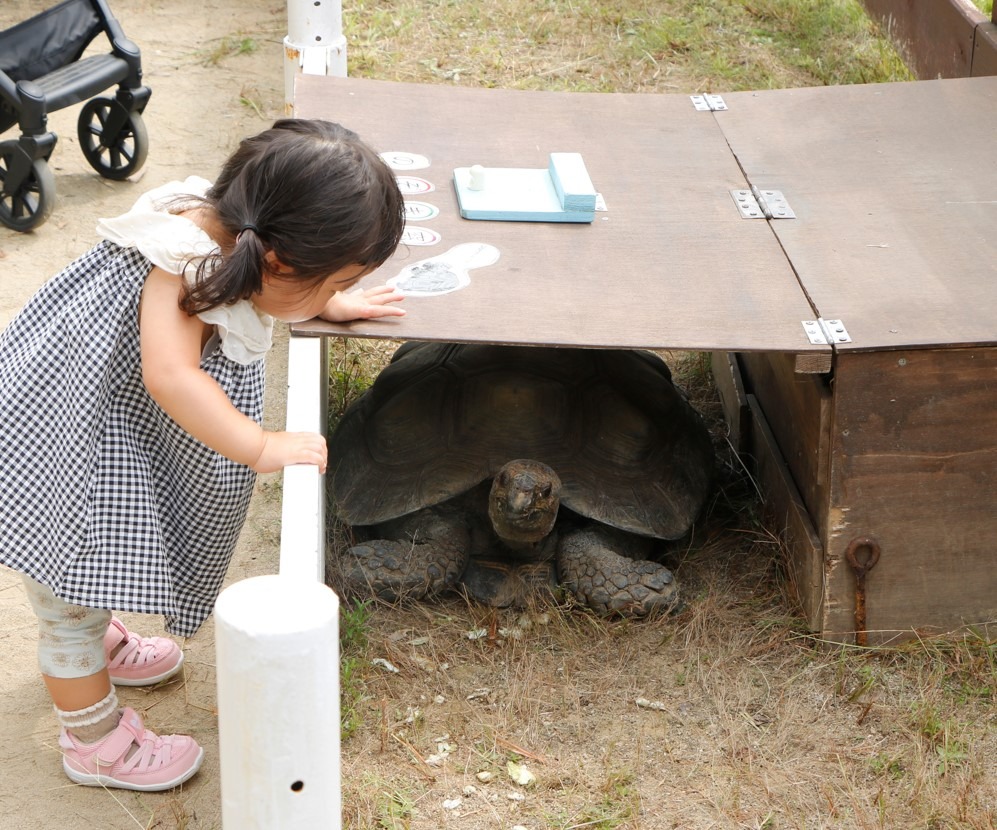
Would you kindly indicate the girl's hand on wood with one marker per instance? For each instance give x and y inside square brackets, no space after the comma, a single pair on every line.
[282,449]
[367,304]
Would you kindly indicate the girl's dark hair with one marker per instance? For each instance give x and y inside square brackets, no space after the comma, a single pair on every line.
[310,191]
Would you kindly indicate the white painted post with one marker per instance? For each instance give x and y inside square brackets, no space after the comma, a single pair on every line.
[277,651]
[277,644]
[302,524]
[315,44]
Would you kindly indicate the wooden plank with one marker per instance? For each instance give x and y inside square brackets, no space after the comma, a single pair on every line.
[914,466]
[813,364]
[894,188]
[670,264]
[787,514]
[798,410]
[985,49]
[935,38]
[730,387]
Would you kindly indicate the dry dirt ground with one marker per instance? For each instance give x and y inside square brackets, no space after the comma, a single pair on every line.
[724,717]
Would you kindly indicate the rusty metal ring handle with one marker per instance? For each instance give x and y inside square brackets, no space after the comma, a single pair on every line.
[862,568]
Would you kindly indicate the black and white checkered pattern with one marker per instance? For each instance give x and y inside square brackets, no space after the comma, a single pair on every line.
[102,496]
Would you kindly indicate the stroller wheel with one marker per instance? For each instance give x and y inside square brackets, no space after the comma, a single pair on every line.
[113,140]
[31,197]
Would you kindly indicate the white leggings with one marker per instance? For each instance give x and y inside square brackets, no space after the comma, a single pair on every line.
[70,637]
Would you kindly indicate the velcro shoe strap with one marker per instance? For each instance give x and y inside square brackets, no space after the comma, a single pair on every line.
[129,731]
[116,633]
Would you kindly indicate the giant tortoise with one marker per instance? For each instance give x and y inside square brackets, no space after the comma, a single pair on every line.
[506,468]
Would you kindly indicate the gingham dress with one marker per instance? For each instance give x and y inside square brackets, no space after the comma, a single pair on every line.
[102,496]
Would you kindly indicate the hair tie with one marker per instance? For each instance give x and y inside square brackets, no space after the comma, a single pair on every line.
[249,226]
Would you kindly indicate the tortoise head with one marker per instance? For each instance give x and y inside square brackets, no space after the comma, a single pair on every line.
[523,501]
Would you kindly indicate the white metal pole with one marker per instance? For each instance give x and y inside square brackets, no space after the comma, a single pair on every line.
[277,649]
[315,44]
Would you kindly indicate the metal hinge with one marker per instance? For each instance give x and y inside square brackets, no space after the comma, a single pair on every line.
[762,204]
[708,103]
[823,332]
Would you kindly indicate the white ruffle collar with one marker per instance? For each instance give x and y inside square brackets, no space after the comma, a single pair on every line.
[177,245]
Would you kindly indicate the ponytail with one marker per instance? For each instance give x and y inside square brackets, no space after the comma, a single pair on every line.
[220,280]
[321,200]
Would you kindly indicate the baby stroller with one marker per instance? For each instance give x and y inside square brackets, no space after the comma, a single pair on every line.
[42,70]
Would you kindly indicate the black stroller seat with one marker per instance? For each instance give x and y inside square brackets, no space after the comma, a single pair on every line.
[42,70]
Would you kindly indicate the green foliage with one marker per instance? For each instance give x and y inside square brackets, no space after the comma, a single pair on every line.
[230,46]
[888,765]
[942,734]
[353,366]
[395,810]
[354,621]
[616,804]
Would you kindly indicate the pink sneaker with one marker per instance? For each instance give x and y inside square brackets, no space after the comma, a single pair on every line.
[141,661]
[131,758]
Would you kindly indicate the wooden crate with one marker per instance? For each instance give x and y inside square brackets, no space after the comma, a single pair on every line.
[901,452]
[890,436]
[897,236]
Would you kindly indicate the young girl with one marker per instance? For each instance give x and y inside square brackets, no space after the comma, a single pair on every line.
[131,395]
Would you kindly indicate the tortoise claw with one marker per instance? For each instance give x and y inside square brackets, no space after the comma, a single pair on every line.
[506,585]
[611,584]
[423,556]
[394,570]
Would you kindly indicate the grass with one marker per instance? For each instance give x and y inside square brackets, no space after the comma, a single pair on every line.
[354,620]
[621,45]
[752,722]
[227,47]
[766,725]
[353,367]
[747,720]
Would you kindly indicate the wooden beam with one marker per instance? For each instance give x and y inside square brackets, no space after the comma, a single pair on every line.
[985,50]
[936,39]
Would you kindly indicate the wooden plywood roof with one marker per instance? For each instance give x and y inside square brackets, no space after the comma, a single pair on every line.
[895,191]
[894,187]
[670,264]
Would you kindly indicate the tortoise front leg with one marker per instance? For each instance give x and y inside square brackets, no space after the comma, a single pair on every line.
[414,557]
[593,568]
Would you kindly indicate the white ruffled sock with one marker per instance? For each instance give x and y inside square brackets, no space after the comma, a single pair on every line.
[93,723]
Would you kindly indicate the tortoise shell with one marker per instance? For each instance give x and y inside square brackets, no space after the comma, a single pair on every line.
[442,417]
